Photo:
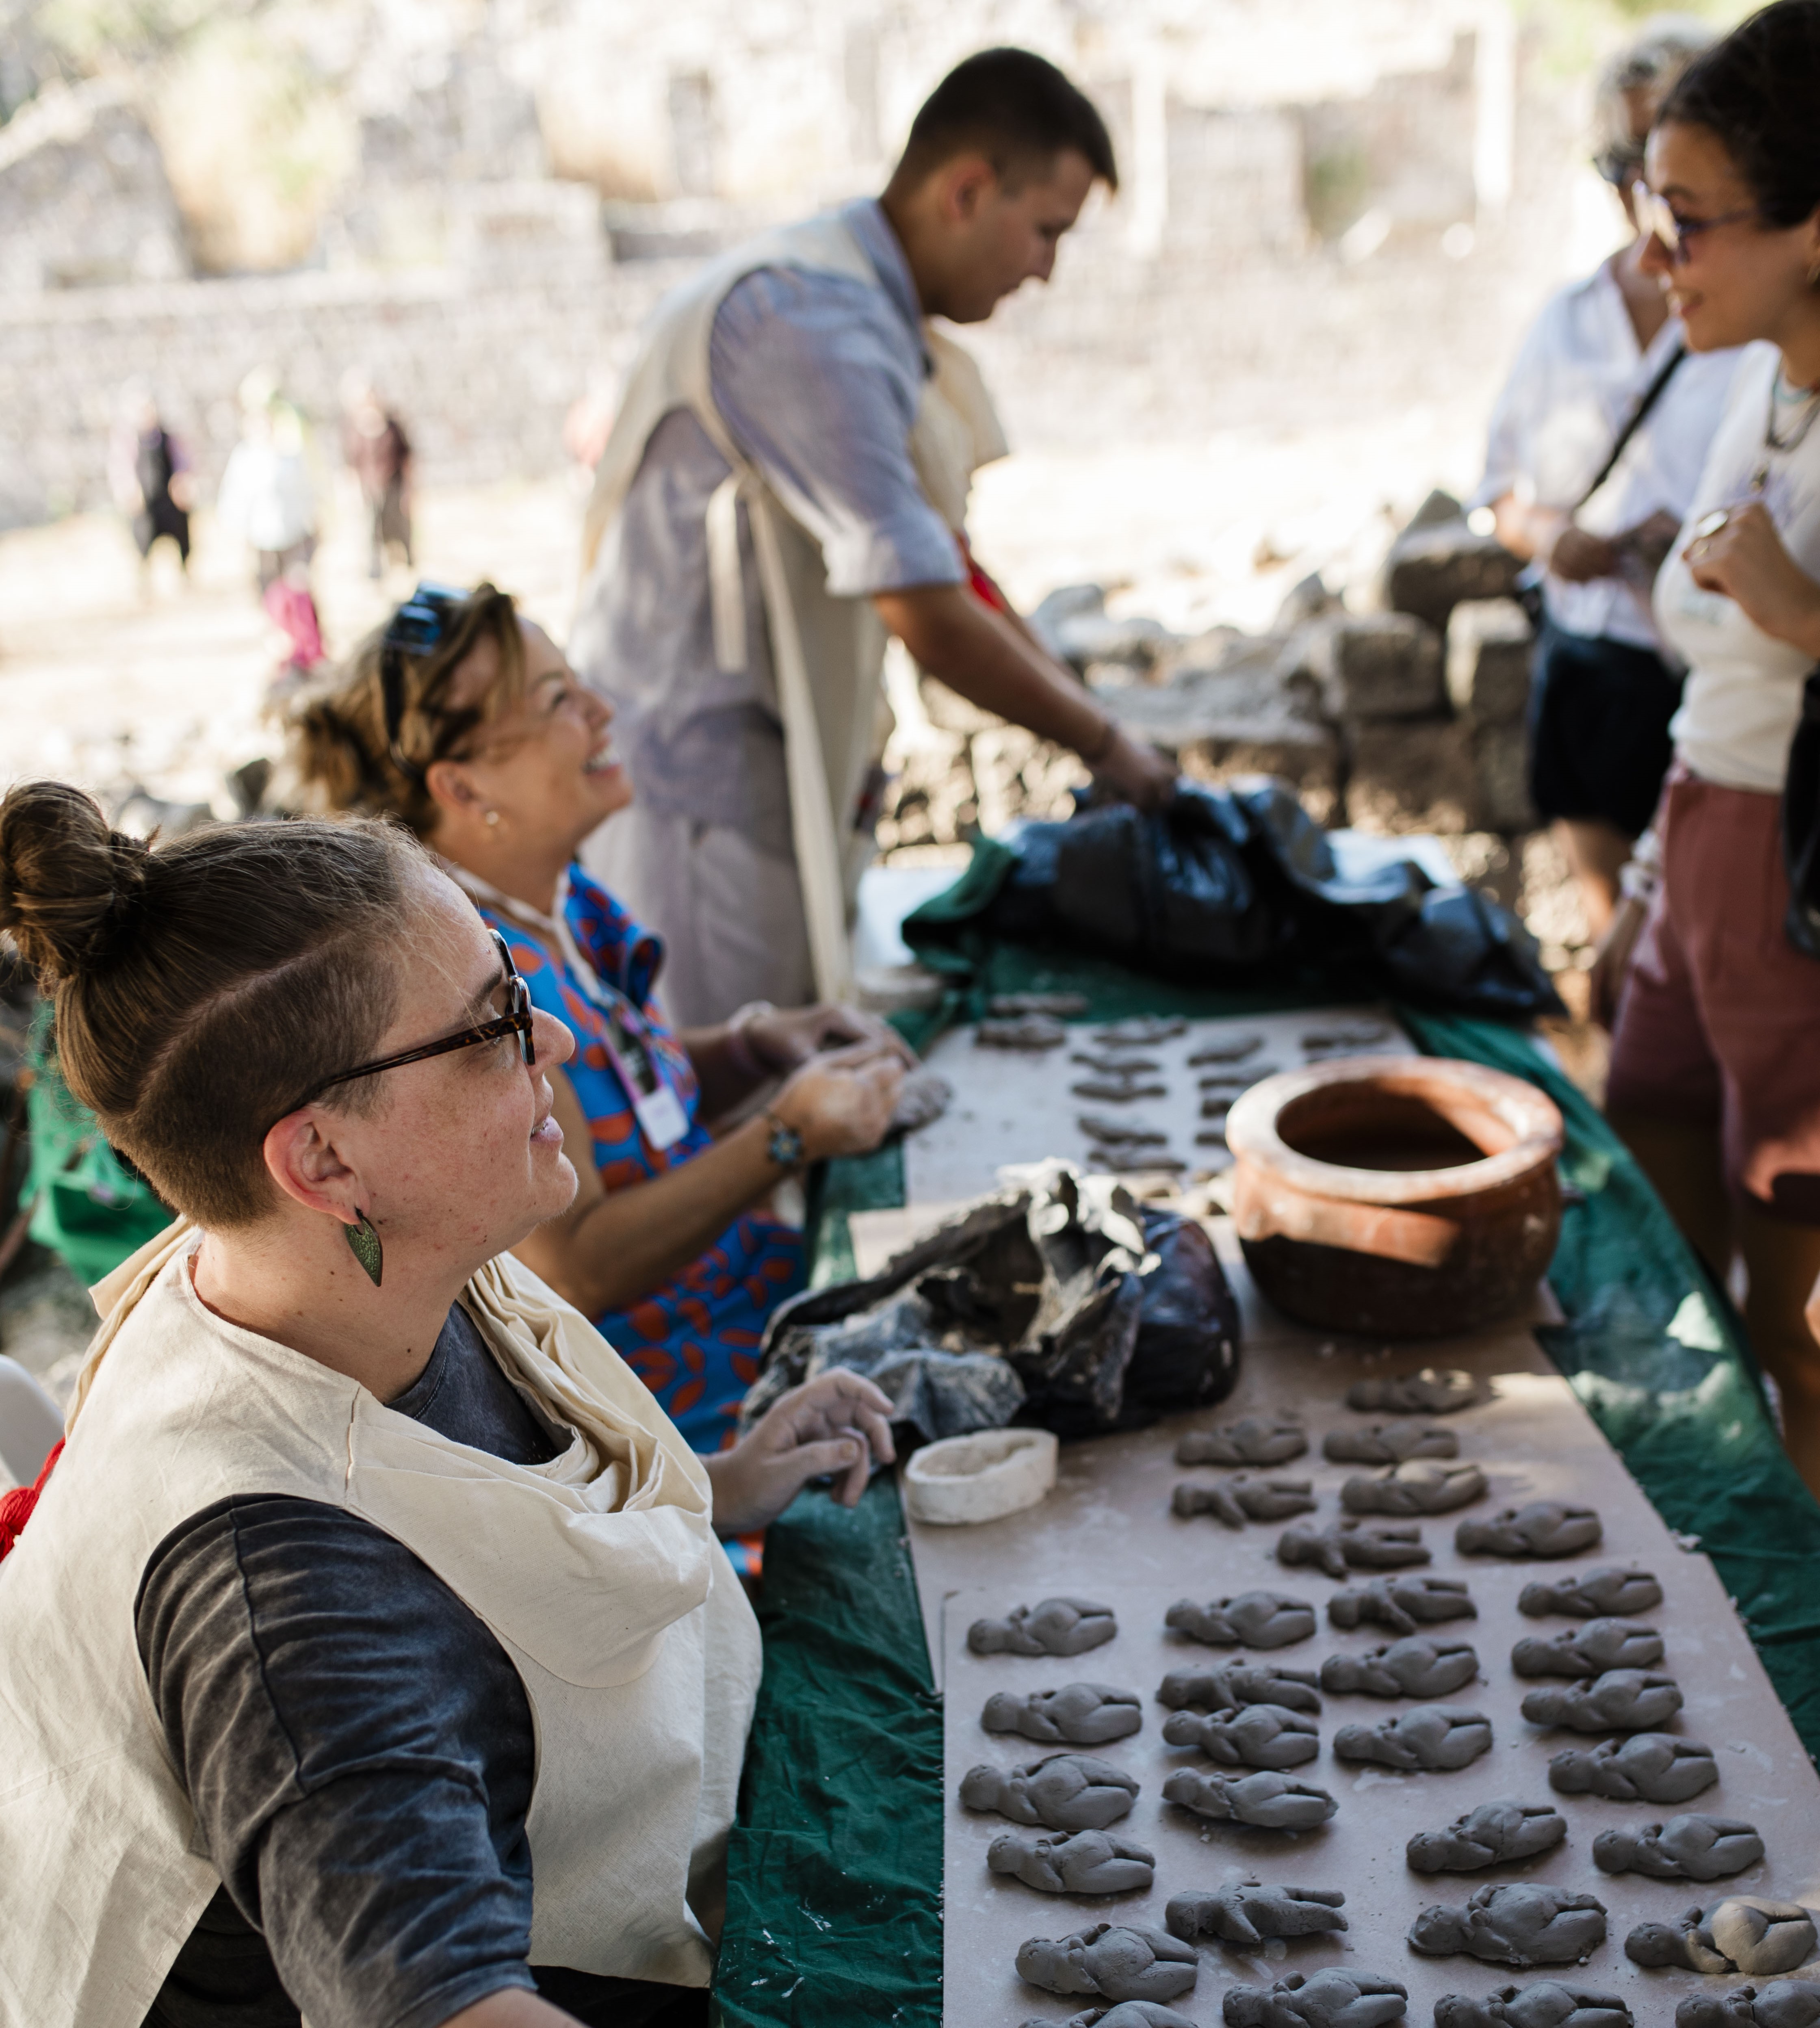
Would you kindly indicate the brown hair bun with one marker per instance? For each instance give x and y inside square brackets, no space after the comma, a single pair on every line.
[71,887]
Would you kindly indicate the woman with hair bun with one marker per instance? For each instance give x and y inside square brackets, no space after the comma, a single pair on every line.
[463,718]
[1715,1064]
[370,1655]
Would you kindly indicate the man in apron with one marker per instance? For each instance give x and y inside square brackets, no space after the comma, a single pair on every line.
[785,486]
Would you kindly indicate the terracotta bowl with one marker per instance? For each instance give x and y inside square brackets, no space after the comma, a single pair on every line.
[1405,1197]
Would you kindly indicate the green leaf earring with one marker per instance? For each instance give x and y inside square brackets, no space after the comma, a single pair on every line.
[364,1243]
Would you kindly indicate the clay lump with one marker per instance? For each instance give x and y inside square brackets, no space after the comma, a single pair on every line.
[1647,1767]
[1432,1392]
[1431,1739]
[1620,1700]
[1788,2002]
[1592,1594]
[1689,1848]
[1235,1685]
[1521,1924]
[1548,2003]
[1544,1528]
[1034,1032]
[1056,1626]
[1266,1800]
[1252,1619]
[1421,1487]
[1077,1715]
[1321,2000]
[1253,1440]
[1493,1835]
[1344,1545]
[1743,1932]
[1246,1916]
[1256,1736]
[1127,2014]
[1068,1792]
[1588,1650]
[1389,1443]
[1072,1862]
[1402,1604]
[1420,1665]
[1114,1960]
[1242,1498]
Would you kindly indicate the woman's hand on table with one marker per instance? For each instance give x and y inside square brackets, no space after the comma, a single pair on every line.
[784,1040]
[837,1425]
[841,1103]
[1743,559]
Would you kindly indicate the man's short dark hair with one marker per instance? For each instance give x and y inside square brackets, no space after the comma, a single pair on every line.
[1013,107]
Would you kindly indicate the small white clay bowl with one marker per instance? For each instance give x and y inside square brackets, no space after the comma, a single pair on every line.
[981,1477]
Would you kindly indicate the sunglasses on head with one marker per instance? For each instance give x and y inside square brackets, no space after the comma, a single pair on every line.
[517,1020]
[418,626]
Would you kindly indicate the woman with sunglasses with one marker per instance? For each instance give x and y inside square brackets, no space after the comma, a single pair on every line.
[464,720]
[1715,1064]
[369,1653]
[1604,356]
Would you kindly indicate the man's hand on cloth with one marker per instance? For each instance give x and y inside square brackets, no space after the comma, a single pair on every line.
[838,1425]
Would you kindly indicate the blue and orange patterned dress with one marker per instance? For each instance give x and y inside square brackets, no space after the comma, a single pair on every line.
[693,1342]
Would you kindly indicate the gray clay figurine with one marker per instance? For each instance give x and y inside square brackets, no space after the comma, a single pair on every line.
[1389,1443]
[1319,2000]
[1359,1545]
[1402,1604]
[1060,1004]
[1111,1091]
[1521,1924]
[1077,1715]
[1421,1486]
[1021,1031]
[1243,1498]
[1141,1031]
[1743,1932]
[1588,1650]
[1233,1049]
[1420,1665]
[1268,1801]
[1690,1848]
[1544,1528]
[1258,1736]
[1430,1739]
[1114,1960]
[1235,1685]
[1120,1133]
[1252,1619]
[1432,1392]
[1253,1440]
[1127,2014]
[1068,1791]
[1072,1862]
[1493,1835]
[1113,1066]
[1548,2003]
[1621,1701]
[1647,1767]
[1592,1594]
[1786,2003]
[1247,1916]
[1056,1626]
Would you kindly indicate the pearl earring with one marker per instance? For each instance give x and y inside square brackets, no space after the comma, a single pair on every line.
[492,818]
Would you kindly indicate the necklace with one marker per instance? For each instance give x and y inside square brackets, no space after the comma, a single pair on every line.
[1806,401]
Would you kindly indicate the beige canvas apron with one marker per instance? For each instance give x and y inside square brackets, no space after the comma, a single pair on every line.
[827,653]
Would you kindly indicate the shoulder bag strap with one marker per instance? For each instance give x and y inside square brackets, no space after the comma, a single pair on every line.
[1634,421]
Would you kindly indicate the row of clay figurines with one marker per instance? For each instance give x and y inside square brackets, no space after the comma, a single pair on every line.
[1359,2000]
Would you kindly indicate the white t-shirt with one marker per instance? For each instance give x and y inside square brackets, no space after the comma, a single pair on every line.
[1576,381]
[1742,694]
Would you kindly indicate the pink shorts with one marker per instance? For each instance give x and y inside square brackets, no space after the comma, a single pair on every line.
[1719,1022]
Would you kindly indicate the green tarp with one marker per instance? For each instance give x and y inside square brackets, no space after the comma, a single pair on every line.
[834,1907]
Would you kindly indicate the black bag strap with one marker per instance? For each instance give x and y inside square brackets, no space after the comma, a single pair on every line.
[1634,421]
[1801,824]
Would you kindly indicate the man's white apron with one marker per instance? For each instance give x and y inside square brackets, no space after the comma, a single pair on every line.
[828,653]
[598,1573]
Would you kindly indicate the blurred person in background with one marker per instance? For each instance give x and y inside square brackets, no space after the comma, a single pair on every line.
[149,475]
[464,721]
[1604,351]
[376,449]
[267,499]
[1714,1080]
[785,484]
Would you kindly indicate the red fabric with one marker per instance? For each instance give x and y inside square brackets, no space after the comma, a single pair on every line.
[15,1507]
[291,607]
[980,582]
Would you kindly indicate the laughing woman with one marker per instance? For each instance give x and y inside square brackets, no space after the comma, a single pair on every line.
[463,719]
